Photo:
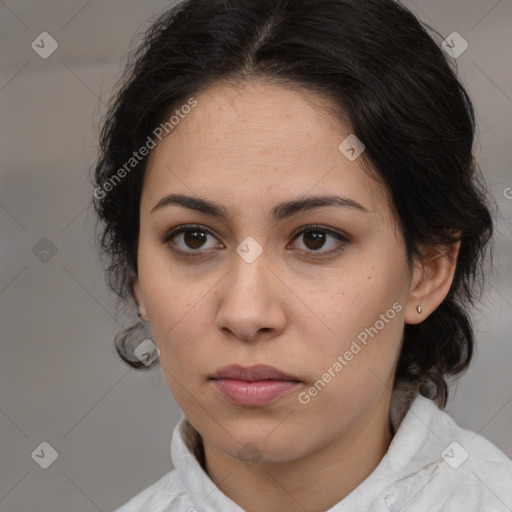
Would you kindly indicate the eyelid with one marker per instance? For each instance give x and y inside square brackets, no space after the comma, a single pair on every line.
[168,235]
[178,230]
[342,240]
[331,231]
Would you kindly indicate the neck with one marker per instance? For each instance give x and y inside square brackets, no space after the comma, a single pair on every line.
[315,482]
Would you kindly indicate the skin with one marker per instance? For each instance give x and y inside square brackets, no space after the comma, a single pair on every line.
[250,148]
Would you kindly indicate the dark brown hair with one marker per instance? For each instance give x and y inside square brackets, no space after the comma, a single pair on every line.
[380,66]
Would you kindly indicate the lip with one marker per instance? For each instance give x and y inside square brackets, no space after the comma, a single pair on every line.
[252,373]
[253,386]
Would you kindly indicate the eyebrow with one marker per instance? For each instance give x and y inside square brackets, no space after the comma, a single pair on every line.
[279,212]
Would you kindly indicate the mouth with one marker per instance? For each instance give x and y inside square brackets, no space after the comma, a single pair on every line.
[255,373]
[253,386]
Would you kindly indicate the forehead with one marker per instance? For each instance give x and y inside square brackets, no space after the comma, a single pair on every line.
[260,140]
[258,116]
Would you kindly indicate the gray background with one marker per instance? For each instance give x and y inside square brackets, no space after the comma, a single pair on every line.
[60,379]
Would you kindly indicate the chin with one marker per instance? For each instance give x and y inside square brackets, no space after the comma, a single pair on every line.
[271,442]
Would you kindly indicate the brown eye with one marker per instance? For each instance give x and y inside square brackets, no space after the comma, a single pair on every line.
[314,238]
[191,240]
[194,239]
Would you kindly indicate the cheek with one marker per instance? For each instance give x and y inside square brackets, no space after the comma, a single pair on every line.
[178,324]
[350,304]
[364,312]
[351,372]
[167,296]
[173,305]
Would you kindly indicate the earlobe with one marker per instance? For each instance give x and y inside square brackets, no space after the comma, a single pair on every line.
[431,282]
[138,294]
[141,310]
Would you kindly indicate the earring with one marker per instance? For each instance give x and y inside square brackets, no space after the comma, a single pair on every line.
[419,309]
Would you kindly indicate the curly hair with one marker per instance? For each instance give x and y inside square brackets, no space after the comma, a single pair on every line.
[384,70]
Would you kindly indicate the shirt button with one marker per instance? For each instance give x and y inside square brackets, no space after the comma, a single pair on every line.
[389,498]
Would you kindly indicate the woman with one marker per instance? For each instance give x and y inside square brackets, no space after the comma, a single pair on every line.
[288,194]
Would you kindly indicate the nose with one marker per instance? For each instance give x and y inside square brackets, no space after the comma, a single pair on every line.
[251,301]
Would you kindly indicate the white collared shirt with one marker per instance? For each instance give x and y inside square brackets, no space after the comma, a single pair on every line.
[431,465]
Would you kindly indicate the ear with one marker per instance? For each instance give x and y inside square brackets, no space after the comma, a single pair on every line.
[138,295]
[432,278]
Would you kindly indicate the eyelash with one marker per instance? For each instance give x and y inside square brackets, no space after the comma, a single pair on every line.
[167,238]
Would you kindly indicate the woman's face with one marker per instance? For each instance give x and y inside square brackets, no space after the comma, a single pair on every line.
[261,285]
